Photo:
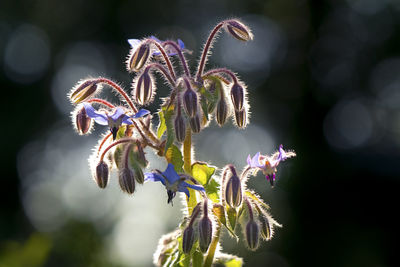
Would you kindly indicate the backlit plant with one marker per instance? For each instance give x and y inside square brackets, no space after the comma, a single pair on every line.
[215,200]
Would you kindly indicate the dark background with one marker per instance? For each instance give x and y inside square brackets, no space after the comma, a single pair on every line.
[333,96]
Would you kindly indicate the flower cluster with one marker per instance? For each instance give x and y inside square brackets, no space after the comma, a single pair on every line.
[213,202]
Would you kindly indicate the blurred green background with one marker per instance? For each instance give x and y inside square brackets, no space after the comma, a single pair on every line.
[323,79]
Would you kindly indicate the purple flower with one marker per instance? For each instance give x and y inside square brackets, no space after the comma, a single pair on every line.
[268,164]
[115,120]
[171,52]
[172,182]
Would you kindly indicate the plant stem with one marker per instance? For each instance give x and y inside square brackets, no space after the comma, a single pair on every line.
[213,246]
[187,166]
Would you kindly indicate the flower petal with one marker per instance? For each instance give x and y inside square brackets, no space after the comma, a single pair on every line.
[170,174]
[255,161]
[117,113]
[181,44]
[140,113]
[154,177]
[99,117]
[195,187]
[134,43]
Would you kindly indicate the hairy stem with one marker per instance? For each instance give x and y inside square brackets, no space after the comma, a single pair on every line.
[120,91]
[204,54]
[165,56]
[163,71]
[222,70]
[120,141]
[101,101]
[187,166]
[180,54]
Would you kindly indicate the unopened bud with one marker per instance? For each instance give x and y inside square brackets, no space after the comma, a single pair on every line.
[239,30]
[252,234]
[195,124]
[190,102]
[82,121]
[102,174]
[83,91]
[180,128]
[188,239]
[139,57]
[241,118]
[205,233]
[237,96]
[127,180]
[222,111]
[265,228]
[233,191]
[143,90]
[138,174]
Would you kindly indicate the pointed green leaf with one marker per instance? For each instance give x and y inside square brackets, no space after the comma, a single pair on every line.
[202,172]
[166,124]
[232,216]
[212,190]
[219,212]
[256,198]
[197,258]
[174,156]
[229,260]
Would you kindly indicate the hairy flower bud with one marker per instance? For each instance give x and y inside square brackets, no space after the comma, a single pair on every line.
[143,90]
[82,121]
[180,127]
[237,96]
[239,30]
[190,102]
[102,174]
[195,124]
[252,234]
[265,228]
[139,57]
[222,111]
[188,239]
[241,118]
[83,91]
[205,233]
[233,191]
[138,174]
[126,180]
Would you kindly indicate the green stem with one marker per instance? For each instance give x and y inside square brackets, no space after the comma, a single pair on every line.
[213,247]
[187,166]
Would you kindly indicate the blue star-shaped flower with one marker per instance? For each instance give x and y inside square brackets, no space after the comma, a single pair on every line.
[135,43]
[172,182]
[115,120]
[268,164]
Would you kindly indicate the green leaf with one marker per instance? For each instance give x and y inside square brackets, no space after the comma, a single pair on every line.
[202,172]
[219,211]
[212,190]
[229,260]
[232,216]
[256,198]
[209,98]
[174,156]
[162,126]
[197,258]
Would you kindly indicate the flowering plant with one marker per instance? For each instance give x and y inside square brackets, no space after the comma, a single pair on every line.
[213,201]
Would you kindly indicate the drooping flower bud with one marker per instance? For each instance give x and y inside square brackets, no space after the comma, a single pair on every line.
[233,190]
[83,91]
[102,174]
[205,229]
[190,102]
[265,228]
[195,124]
[241,118]
[239,30]
[143,88]
[222,111]
[252,234]
[82,122]
[139,57]
[126,180]
[237,96]
[138,174]
[180,127]
[188,239]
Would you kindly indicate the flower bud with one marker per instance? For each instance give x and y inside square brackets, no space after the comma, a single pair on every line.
[127,180]
[102,174]
[252,234]
[190,102]
[265,228]
[195,124]
[138,174]
[241,118]
[205,233]
[238,30]
[82,121]
[188,239]
[143,90]
[180,127]
[222,111]
[139,57]
[83,91]
[237,96]
[233,191]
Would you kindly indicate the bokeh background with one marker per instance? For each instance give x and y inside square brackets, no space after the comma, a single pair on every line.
[323,79]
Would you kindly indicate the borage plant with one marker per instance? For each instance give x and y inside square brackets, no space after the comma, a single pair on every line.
[213,201]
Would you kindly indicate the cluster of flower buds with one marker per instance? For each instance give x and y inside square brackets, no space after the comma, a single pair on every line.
[200,228]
